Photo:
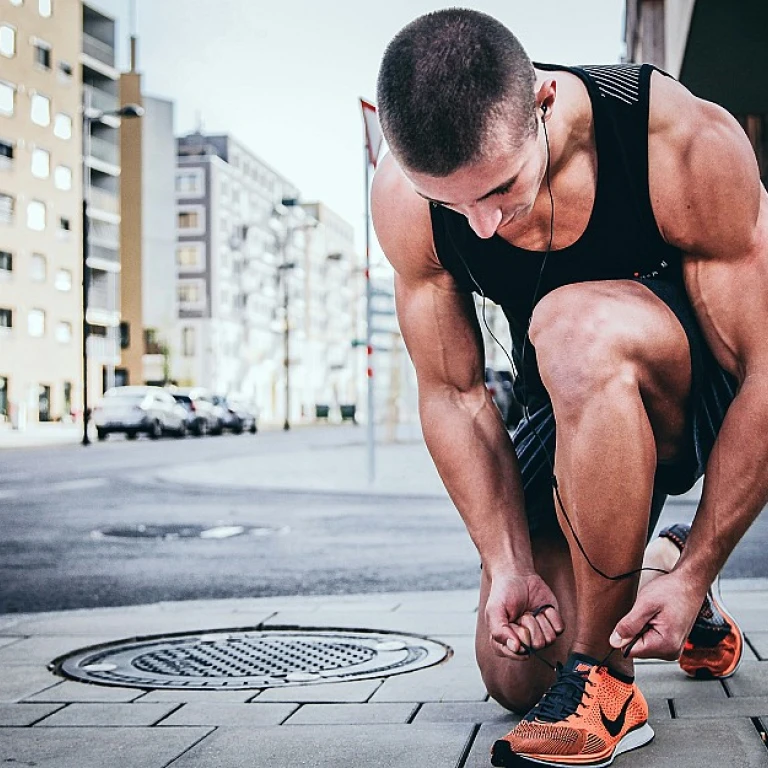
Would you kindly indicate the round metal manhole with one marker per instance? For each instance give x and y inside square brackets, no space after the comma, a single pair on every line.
[143,532]
[242,659]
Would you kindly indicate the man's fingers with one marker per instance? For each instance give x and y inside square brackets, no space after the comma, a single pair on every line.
[632,625]
[553,616]
[535,631]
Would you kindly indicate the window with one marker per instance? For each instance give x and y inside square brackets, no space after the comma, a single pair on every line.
[44,6]
[41,163]
[6,261]
[41,110]
[7,98]
[4,396]
[125,335]
[189,220]
[42,54]
[6,153]
[65,225]
[188,342]
[38,268]
[62,126]
[62,177]
[6,208]
[68,397]
[6,318]
[63,280]
[191,292]
[65,70]
[64,332]
[36,215]
[190,256]
[7,41]
[36,322]
[17,2]
[189,182]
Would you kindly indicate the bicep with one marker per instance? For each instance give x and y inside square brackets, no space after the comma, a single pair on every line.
[440,329]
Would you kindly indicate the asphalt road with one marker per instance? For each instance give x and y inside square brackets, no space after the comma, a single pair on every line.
[55,504]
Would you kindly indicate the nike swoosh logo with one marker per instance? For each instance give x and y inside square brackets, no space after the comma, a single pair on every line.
[614,726]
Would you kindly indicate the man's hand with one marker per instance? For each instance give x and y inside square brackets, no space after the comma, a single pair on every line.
[513,616]
[660,620]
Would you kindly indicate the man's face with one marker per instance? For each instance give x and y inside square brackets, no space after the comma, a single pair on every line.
[493,192]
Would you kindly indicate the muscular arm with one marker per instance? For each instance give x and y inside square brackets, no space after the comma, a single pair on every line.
[709,202]
[461,425]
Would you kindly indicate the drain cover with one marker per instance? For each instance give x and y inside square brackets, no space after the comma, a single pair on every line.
[169,532]
[276,657]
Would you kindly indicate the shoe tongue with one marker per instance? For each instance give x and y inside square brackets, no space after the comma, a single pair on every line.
[579,662]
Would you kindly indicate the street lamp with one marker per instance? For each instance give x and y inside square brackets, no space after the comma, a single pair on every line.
[89,116]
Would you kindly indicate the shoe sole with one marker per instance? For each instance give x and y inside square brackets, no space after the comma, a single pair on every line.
[703,673]
[503,757]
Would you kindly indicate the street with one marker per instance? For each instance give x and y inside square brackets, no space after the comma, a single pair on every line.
[61,506]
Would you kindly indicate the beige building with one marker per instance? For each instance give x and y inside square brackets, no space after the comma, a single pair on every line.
[40,209]
[716,49]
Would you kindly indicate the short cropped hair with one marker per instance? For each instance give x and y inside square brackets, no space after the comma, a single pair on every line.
[445,81]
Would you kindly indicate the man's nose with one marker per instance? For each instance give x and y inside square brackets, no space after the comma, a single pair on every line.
[484,221]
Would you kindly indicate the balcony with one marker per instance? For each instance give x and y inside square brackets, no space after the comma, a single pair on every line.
[100,100]
[105,151]
[98,50]
[104,201]
[103,253]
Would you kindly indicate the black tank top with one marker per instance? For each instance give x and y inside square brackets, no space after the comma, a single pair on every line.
[621,239]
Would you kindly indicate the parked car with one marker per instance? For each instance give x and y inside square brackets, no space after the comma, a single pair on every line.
[499,384]
[243,418]
[202,416]
[136,409]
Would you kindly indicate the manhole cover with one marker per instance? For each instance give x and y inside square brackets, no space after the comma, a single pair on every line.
[238,659]
[169,532]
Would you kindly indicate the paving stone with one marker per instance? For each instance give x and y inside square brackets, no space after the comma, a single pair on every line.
[96,747]
[678,743]
[760,642]
[466,712]
[741,706]
[110,714]
[20,682]
[209,697]
[445,682]
[243,715]
[351,714]
[751,679]
[430,625]
[668,681]
[333,746]
[462,601]
[42,650]
[70,691]
[25,714]
[331,693]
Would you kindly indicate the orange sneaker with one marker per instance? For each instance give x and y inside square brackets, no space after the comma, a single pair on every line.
[589,715]
[715,645]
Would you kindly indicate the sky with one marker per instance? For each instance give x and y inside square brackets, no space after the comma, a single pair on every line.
[285,78]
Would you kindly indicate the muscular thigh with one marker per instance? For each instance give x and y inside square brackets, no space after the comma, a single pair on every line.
[586,333]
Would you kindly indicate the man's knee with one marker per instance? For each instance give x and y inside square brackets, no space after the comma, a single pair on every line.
[517,693]
[582,345]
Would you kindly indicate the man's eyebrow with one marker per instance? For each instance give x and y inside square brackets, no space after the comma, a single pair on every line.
[501,188]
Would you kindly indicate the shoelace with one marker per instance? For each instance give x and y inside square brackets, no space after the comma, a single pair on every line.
[563,697]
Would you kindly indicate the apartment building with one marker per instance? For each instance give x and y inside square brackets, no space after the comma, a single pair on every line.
[228,254]
[40,210]
[101,188]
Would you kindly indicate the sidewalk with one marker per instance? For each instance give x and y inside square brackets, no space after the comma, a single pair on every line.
[438,717]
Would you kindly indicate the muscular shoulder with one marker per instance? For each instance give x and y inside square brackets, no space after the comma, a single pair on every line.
[402,223]
[703,176]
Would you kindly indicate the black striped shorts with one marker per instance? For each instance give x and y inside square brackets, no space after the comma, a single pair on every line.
[712,390]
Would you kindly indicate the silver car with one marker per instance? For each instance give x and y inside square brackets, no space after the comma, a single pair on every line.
[136,409]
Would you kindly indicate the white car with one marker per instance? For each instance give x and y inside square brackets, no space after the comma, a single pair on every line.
[136,409]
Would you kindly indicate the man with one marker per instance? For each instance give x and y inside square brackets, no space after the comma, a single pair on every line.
[621,225]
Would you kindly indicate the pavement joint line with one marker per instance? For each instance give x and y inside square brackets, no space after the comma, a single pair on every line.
[373,692]
[671,705]
[166,715]
[726,688]
[760,730]
[468,746]
[753,649]
[416,709]
[191,746]
[49,714]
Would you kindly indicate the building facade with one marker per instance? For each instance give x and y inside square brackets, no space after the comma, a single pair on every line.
[40,210]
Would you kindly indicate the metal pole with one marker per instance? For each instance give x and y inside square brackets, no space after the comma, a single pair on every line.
[86,194]
[286,337]
[371,434]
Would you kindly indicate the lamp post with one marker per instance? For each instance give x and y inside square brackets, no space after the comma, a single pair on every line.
[89,116]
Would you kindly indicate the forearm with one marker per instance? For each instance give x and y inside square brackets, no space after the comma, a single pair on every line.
[735,485]
[475,458]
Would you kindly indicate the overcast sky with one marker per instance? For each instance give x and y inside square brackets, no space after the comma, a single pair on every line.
[285,77]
